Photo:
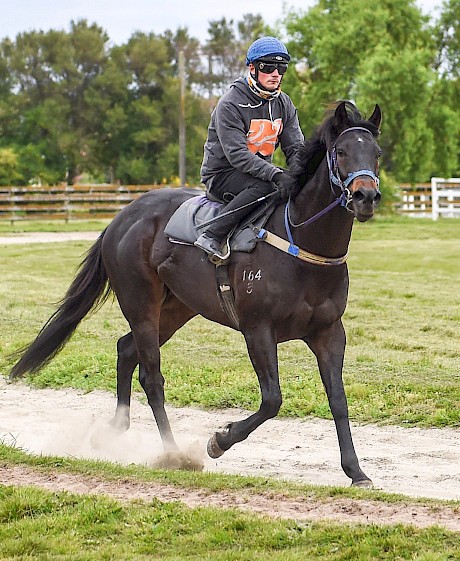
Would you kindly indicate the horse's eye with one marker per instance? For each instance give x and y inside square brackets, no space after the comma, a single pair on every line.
[379,153]
[340,153]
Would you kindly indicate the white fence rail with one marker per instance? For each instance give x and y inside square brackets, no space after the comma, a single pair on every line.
[445,197]
[441,197]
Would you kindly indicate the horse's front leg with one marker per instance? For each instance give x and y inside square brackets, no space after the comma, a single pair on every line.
[262,351]
[329,348]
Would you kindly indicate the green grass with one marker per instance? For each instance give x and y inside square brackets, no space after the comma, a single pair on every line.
[209,481]
[206,481]
[405,228]
[402,364]
[51,226]
[39,525]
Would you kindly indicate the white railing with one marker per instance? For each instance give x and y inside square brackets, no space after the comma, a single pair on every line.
[441,197]
[445,197]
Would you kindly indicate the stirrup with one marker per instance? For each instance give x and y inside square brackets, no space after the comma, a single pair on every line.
[211,247]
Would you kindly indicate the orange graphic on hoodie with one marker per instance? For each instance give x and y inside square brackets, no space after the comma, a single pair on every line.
[263,135]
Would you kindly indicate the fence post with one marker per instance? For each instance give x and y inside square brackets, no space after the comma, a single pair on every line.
[182,146]
[434,198]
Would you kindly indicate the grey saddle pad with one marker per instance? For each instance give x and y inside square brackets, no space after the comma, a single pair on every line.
[183,226]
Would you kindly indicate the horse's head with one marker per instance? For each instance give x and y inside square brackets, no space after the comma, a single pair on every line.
[353,157]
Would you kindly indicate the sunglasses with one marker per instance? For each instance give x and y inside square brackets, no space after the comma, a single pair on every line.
[270,67]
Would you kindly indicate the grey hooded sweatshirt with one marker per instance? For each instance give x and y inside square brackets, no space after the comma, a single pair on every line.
[245,130]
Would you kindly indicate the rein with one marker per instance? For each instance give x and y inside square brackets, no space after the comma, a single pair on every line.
[343,200]
[294,250]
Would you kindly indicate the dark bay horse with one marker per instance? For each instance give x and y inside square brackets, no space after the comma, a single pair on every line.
[295,290]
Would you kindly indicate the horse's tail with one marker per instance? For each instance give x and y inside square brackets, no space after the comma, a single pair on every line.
[88,291]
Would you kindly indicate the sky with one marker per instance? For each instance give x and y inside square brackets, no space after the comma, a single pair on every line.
[121,18]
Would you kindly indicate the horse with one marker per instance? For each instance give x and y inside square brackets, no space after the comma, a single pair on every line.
[285,289]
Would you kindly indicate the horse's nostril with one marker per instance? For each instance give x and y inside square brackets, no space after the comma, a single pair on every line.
[358,196]
[367,195]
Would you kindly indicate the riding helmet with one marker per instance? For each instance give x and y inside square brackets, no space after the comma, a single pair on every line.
[267,47]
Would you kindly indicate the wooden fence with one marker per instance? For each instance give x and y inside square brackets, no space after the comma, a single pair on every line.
[67,202]
[415,200]
[441,197]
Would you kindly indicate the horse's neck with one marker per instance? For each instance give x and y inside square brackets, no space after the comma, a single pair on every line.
[328,235]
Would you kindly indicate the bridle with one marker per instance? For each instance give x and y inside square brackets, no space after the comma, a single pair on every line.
[345,197]
[334,173]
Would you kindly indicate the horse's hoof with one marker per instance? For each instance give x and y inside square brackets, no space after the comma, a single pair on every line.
[119,424]
[363,483]
[213,449]
[121,420]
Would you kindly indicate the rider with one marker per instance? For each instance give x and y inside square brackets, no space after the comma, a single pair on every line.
[251,119]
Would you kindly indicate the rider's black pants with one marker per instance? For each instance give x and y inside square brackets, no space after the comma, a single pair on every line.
[240,189]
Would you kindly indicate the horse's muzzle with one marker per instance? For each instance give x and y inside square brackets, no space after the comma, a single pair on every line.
[365,197]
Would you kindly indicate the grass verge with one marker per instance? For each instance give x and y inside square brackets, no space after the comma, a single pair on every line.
[39,525]
[36,524]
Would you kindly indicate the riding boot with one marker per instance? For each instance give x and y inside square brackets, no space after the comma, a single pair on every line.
[232,213]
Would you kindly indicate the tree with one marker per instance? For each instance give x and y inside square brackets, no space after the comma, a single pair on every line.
[447,33]
[9,172]
[226,49]
[71,104]
[381,52]
[52,73]
[446,91]
[83,57]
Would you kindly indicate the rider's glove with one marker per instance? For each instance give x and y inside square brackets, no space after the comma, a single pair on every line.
[286,184]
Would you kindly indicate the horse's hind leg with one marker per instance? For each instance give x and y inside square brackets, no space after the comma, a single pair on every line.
[154,315]
[126,363]
[146,335]
[174,315]
[329,348]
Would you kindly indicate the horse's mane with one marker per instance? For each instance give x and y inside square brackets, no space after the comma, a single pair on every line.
[311,152]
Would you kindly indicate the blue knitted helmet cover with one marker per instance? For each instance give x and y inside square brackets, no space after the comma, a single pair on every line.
[266,46]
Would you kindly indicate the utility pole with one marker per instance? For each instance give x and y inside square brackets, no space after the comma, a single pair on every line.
[182,119]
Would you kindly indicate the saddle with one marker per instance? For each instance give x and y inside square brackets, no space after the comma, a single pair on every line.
[195,215]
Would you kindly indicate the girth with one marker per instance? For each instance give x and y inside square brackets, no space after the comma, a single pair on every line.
[225,294]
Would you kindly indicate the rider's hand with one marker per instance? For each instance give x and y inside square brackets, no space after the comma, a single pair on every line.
[286,184]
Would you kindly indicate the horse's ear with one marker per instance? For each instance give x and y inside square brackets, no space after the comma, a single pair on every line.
[341,115]
[376,117]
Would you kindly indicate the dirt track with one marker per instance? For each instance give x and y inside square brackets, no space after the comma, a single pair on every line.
[413,462]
